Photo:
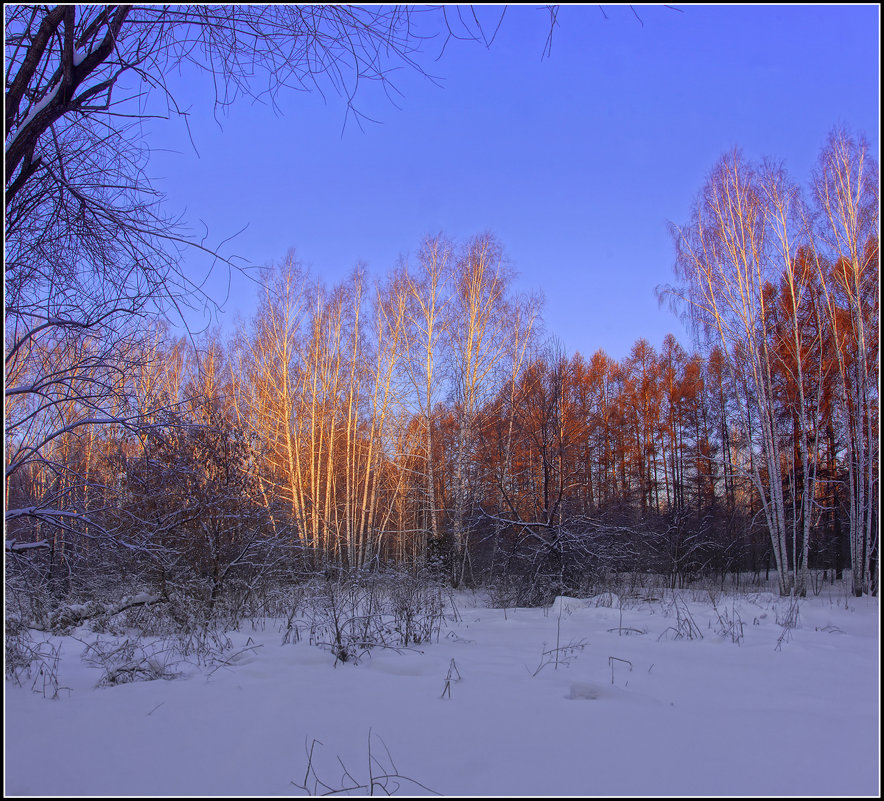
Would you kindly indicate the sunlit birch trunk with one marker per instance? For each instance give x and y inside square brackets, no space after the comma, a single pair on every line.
[846,197]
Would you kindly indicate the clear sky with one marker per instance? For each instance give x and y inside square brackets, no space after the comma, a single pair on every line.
[576,162]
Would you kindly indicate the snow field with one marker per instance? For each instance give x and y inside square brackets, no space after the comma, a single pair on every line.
[681,716]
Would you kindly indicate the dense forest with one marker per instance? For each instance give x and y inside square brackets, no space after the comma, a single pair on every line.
[427,419]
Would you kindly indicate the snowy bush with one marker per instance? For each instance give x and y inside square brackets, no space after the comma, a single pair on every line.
[130,660]
[685,626]
[31,659]
[730,623]
[349,613]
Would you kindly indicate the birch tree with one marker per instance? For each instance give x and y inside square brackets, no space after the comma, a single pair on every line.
[384,401]
[802,344]
[90,249]
[845,195]
[735,248]
[426,297]
[478,343]
[267,385]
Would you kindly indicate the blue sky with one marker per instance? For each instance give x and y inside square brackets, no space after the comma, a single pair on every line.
[576,161]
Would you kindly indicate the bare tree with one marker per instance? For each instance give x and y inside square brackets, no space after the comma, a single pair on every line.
[427,295]
[738,244]
[799,352]
[477,339]
[845,194]
[90,251]
[268,386]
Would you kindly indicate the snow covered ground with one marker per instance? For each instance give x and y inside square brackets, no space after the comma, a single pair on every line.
[638,704]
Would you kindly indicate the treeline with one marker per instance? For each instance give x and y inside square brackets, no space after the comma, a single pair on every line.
[425,419]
